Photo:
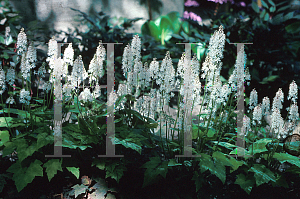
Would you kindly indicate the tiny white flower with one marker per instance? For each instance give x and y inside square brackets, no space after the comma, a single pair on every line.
[97,91]
[25,97]
[86,95]
[277,121]
[246,125]
[112,98]
[10,100]
[293,91]
[47,86]
[69,55]
[257,114]
[31,55]
[67,91]
[253,99]
[2,81]
[10,76]
[278,99]
[266,105]
[293,113]
[21,42]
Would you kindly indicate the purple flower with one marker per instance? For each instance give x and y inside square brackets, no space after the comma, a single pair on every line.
[222,1]
[243,4]
[190,3]
[191,16]
[186,15]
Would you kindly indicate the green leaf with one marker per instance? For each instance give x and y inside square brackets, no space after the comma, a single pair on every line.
[225,144]
[186,27]
[3,122]
[277,19]
[245,183]
[177,36]
[271,78]
[99,163]
[52,166]
[280,181]
[26,151]
[74,171]
[154,167]
[255,6]
[211,132]
[263,3]
[44,139]
[260,145]
[9,148]
[240,151]
[199,180]
[173,163]
[271,2]
[9,40]
[262,174]
[288,16]
[176,22]
[166,29]
[24,176]
[262,14]
[128,144]
[213,165]
[2,182]
[4,137]
[273,9]
[149,28]
[267,16]
[79,189]
[195,130]
[2,40]
[285,157]
[283,8]
[115,171]
[293,28]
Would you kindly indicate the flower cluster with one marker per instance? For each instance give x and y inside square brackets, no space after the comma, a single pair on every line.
[21,42]
[190,3]
[25,97]
[222,1]
[192,16]
[79,73]
[96,65]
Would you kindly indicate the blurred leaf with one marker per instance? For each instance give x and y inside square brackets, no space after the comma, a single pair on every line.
[288,16]
[262,174]
[255,6]
[283,8]
[262,14]
[245,183]
[293,28]
[267,16]
[175,20]
[264,4]
[185,26]
[273,9]
[271,2]
[166,29]
[4,137]
[177,36]
[149,28]
[271,78]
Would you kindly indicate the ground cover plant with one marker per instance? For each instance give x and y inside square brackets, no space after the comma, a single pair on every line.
[149,168]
